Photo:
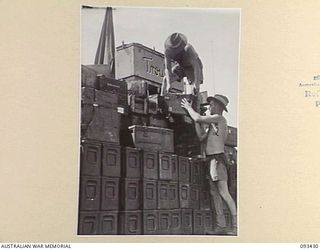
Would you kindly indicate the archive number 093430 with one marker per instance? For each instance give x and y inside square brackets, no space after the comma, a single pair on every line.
[309,245]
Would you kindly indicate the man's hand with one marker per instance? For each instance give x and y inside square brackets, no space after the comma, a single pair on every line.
[185,104]
[194,115]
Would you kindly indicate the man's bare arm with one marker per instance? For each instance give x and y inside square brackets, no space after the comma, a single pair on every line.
[196,116]
[167,70]
[201,133]
[197,72]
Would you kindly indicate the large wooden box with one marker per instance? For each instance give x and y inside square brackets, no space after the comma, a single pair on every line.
[153,138]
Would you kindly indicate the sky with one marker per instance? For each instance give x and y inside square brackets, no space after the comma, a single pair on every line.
[214,33]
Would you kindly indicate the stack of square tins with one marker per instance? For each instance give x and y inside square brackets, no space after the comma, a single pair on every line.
[140,191]
[99,188]
[167,196]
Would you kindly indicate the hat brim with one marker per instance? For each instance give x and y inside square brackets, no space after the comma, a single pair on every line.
[211,98]
[171,50]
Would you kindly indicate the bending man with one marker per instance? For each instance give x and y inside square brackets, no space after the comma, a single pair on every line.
[178,49]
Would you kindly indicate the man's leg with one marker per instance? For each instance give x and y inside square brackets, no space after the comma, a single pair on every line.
[224,192]
[218,205]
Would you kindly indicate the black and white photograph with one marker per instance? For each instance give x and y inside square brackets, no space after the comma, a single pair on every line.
[159,121]
[148,122]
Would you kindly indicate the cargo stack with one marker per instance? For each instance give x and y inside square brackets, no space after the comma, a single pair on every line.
[103,106]
[140,169]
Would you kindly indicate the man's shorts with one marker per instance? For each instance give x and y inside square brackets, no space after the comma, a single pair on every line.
[221,166]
